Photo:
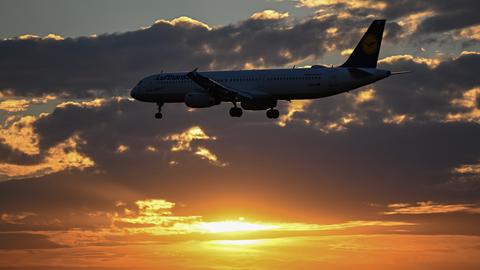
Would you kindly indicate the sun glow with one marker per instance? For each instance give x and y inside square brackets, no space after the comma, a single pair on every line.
[234,226]
[243,242]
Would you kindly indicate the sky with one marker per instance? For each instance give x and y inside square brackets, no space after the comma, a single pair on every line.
[383,177]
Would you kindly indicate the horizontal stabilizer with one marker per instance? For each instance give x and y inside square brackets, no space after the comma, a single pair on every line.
[359,73]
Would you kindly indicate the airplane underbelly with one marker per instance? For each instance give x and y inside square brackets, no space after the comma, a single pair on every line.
[307,90]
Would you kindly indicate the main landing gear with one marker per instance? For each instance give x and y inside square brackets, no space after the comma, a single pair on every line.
[236,111]
[159,115]
[273,113]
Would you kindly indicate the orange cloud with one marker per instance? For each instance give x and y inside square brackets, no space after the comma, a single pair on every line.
[269,14]
[122,148]
[47,37]
[471,32]
[62,156]
[20,105]
[365,95]
[204,153]
[429,207]
[351,4]
[14,105]
[467,102]
[19,134]
[430,62]
[184,139]
[410,22]
[397,119]
[155,217]
[15,218]
[151,148]
[185,21]
[340,124]
[293,107]
[468,169]
[95,103]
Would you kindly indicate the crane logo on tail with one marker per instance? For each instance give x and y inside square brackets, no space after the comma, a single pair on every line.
[370,44]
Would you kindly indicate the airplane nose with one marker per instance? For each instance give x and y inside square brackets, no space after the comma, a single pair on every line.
[134,92]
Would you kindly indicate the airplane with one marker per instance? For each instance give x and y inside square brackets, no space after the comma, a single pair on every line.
[262,89]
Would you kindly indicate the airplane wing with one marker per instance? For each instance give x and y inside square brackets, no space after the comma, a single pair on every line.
[219,89]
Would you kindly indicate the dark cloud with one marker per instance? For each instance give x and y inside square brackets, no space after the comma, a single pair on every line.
[13,241]
[443,15]
[114,62]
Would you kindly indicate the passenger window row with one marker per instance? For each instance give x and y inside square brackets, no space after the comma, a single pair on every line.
[247,79]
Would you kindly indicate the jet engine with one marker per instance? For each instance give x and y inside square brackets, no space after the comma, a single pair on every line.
[259,105]
[200,100]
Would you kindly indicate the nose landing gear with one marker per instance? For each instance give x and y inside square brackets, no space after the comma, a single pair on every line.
[159,114]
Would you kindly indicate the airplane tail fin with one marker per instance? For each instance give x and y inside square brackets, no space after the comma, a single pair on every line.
[365,55]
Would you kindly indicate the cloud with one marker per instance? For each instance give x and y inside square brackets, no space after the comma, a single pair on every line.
[365,95]
[295,106]
[63,156]
[19,134]
[465,177]
[15,218]
[184,139]
[204,153]
[21,105]
[410,18]
[14,105]
[469,33]
[23,241]
[350,4]
[53,37]
[470,106]
[151,148]
[269,14]
[122,148]
[184,21]
[429,207]
[397,119]
[430,62]
[468,169]
[94,103]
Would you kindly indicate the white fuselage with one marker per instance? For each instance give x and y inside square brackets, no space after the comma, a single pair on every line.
[277,84]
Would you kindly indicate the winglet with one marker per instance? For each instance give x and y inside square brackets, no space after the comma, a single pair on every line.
[192,73]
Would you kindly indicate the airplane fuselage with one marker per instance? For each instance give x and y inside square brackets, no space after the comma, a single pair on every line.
[277,84]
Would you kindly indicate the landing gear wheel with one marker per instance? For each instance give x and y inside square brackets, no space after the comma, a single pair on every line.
[158,115]
[236,112]
[273,113]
